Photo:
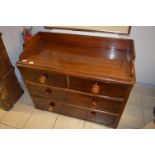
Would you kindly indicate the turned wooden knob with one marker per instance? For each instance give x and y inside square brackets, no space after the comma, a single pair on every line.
[51,106]
[43,78]
[93,104]
[93,115]
[95,88]
[48,91]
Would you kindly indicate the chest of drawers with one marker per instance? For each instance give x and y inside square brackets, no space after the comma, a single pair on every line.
[10,89]
[86,77]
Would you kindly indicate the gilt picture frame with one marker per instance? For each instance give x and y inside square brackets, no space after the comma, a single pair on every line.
[123,30]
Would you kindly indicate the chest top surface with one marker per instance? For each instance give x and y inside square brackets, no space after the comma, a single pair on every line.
[88,56]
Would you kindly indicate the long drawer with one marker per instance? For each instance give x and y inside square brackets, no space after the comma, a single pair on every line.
[44,91]
[111,107]
[102,118]
[89,115]
[53,106]
[44,77]
[74,112]
[47,104]
[97,87]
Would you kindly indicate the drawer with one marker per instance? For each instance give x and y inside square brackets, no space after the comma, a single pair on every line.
[44,77]
[94,103]
[74,112]
[44,91]
[47,104]
[97,87]
[97,117]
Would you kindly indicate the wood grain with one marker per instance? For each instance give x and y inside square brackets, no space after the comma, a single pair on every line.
[86,77]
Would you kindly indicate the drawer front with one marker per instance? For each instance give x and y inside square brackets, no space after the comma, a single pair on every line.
[38,90]
[74,112]
[94,103]
[47,104]
[100,118]
[97,87]
[44,77]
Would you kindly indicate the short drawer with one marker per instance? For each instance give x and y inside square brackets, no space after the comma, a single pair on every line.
[47,104]
[44,91]
[100,118]
[97,87]
[44,77]
[74,112]
[94,103]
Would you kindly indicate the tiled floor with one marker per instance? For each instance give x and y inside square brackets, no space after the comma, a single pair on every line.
[137,114]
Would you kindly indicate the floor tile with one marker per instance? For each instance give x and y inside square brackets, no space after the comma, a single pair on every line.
[18,115]
[2,113]
[132,117]
[124,127]
[144,90]
[135,99]
[26,99]
[150,125]
[148,101]
[65,122]
[41,120]
[148,114]
[91,125]
[3,126]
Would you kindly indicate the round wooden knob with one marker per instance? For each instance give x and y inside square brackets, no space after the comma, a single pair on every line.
[51,106]
[48,91]
[93,115]
[43,78]
[95,88]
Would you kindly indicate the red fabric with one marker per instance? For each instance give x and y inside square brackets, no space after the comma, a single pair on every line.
[27,36]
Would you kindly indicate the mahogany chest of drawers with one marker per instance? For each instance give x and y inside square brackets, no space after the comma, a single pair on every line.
[10,89]
[86,77]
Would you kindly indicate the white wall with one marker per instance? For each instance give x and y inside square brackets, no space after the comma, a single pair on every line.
[144,38]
